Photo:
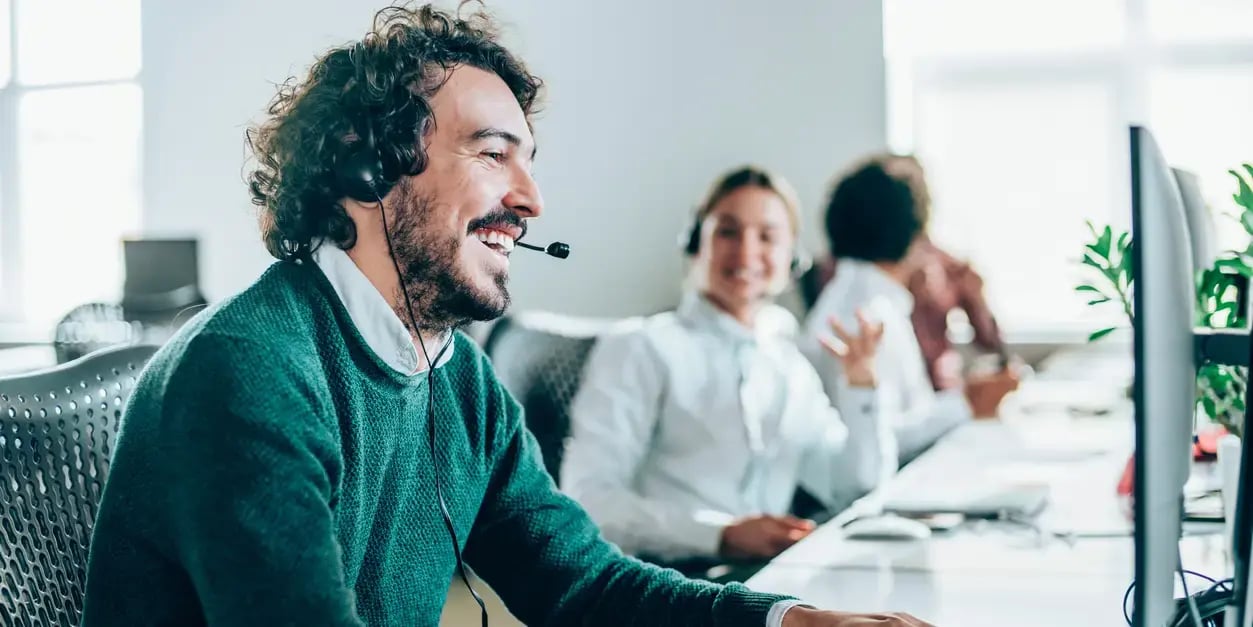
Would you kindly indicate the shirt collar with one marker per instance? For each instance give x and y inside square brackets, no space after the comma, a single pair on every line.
[879,283]
[378,324]
[771,321]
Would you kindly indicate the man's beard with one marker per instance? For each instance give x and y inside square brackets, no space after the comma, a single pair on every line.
[443,296]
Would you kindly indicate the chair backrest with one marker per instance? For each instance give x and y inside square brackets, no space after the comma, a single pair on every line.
[57,430]
[90,327]
[539,357]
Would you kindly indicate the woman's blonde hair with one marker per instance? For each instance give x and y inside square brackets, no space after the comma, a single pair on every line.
[745,176]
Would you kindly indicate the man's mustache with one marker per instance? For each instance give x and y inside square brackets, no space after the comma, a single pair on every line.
[497,217]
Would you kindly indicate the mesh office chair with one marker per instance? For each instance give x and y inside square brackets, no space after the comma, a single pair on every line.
[539,357]
[90,327]
[57,430]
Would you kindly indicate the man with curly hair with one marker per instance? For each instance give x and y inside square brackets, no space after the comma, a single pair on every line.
[294,457]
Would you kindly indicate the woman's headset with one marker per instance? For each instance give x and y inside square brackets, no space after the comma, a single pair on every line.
[689,242]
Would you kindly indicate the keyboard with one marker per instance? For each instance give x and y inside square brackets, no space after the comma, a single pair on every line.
[970,472]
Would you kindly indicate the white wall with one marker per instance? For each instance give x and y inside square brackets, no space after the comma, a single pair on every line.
[647,101]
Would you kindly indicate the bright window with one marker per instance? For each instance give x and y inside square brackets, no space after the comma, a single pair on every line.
[71,111]
[1019,111]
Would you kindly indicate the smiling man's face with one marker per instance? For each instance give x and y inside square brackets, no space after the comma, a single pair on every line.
[455,224]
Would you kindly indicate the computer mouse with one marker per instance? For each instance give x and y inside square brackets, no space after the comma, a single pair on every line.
[886,527]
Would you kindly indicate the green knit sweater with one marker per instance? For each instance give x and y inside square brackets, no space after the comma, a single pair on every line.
[272,470]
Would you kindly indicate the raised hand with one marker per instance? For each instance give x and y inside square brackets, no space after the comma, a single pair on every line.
[855,352]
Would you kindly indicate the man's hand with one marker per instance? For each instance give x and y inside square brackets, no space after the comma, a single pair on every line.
[762,537]
[856,352]
[947,370]
[985,392]
[807,617]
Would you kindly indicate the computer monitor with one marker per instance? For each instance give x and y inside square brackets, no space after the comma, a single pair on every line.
[159,265]
[1165,375]
[1200,221]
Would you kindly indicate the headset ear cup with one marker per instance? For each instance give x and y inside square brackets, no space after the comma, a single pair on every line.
[689,239]
[693,239]
[359,174]
[359,170]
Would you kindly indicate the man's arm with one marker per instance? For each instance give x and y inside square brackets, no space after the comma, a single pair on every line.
[547,560]
[971,300]
[252,469]
[611,426]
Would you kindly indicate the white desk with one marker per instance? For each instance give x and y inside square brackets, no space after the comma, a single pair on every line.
[996,573]
[22,359]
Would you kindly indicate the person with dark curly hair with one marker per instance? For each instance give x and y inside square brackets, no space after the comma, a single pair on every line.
[294,457]
[875,219]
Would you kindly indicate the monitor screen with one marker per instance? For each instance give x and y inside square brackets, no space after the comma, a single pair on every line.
[156,266]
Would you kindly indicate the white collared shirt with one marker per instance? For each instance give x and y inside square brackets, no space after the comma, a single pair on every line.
[374,318]
[692,420]
[919,415]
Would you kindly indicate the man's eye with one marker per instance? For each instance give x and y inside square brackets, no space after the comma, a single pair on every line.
[494,156]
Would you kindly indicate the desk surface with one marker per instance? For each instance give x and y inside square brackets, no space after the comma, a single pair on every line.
[1000,573]
[977,599]
[22,359]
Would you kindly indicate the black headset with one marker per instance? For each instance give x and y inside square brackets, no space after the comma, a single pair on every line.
[358,166]
[689,242]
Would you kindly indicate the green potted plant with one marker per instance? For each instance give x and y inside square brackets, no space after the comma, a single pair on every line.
[1220,389]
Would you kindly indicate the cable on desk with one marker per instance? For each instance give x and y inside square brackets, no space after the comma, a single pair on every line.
[1187,596]
[1209,604]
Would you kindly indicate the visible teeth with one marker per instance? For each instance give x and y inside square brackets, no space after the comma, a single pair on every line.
[494,237]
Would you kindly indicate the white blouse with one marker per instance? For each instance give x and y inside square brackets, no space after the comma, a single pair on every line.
[693,419]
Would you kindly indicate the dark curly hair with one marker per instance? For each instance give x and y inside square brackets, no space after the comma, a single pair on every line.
[385,82]
[875,212]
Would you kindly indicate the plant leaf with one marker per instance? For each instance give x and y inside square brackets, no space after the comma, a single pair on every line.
[1211,408]
[1100,334]
[1097,301]
[1088,288]
[1124,240]
[1107,239]
[1124,264]
[1246,219]
[1089,259]
[1245,194]
[1234,265]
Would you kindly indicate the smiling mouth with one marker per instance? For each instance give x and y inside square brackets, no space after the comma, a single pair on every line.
[741,275]
[498,241]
